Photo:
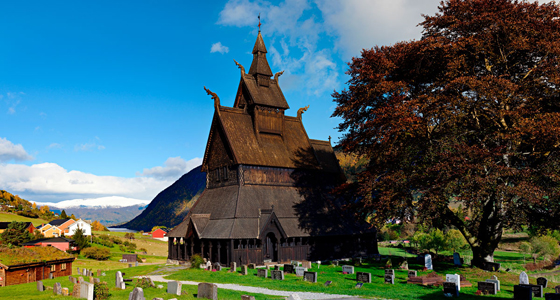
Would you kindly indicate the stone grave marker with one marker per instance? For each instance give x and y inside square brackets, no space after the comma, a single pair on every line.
[522,293]
[84,272]
[328,283]
[207,291]
[80,279]
[428,262]
[98,273]
[523,278]
[335,263]
[51,276]
[76,291]
[310,276]
[359,285]
[119,282]
[551,296]
[233,266]
[299,271]
[494,277]
[91,279]
[252,266]
[536,289]
[244,270]
[277,275]
[390,272]
[294,297]
[457,259]
[57,289]
[96,280]
[496,281]
[64,291]
[136,294]
[262,273]
[450,288]
[217,266]
[289,268]
[348,269]
[306,264]
[542,281]
[295,263]
[277,267]
[487,288]
[174,288]
[454,278]
[363,277]
[246,297]
[72,279]
[40,286]
[412,273]
[390,279]
[86,290]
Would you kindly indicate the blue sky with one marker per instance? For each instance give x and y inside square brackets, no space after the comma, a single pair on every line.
[106,98]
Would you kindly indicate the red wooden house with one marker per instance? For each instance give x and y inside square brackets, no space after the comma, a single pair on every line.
[159,233]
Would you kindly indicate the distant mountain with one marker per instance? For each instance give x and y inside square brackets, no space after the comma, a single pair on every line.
[171,206]
[101,202]
[105,215]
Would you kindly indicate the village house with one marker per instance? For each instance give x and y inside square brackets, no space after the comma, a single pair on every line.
[24,265]
[267,188]
[66,227]
[28,226]
[159,233]
[60,243]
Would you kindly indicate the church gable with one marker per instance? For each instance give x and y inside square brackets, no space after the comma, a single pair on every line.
[218,152]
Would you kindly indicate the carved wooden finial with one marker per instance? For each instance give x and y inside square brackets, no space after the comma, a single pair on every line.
[214,96]
[329,139]
[301,111]
[240,67]
[278,74]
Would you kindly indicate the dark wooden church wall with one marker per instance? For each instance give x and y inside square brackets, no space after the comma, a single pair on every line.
[267,175]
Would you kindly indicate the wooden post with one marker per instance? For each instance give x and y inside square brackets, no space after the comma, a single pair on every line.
[219,250]
[192,246]
[210,250]
[202,248]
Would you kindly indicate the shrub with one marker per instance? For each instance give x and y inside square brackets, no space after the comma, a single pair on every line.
[455,241]
[101,291]
[196,261]
[96,253]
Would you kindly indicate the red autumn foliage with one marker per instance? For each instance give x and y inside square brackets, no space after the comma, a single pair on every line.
[468,116]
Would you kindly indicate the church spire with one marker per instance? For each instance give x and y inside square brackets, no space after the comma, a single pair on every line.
[260,66]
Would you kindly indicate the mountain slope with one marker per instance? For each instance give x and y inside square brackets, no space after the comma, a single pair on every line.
[171,205]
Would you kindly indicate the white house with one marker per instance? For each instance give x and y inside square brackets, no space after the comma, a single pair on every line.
[86,228]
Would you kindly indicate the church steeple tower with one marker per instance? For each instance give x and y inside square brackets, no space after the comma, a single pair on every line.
[260,66]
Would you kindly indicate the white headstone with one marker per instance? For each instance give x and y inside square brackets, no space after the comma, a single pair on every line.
[348,269]
[428,262]
[455,279]
[86,290]
[496,281]
[523,278]
[300,270]
[294,297]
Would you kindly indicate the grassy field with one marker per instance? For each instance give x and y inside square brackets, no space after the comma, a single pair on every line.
[7,217]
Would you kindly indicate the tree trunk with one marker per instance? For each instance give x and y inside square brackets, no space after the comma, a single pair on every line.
[482,255]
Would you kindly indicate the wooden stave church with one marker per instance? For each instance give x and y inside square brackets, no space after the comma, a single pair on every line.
[267,185]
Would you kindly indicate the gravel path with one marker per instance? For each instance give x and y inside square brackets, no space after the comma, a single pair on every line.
[259,290]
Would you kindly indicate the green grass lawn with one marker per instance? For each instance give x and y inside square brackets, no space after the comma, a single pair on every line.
[8,217]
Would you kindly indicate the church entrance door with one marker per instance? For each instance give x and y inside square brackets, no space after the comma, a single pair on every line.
[271,247]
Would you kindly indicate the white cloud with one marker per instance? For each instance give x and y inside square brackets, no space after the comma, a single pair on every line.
[12,100]
[218,47]
[9,151]
[173,168]
[89,146]
[54,146]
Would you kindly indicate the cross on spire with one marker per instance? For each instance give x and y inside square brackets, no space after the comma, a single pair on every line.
[259,22]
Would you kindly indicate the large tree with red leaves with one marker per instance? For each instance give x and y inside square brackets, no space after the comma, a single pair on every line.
[462,127]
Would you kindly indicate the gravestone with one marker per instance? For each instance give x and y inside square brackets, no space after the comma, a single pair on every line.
[289,268]
[262,273]
[295,263]
[72,279]
[294,297]
[299,271]
[328,283]
[450,288]
[335,263]
[536,289]
[136,294]
[40,286]
[494,277]
[428,262]
[80,279]
[57,289]
[233,266]
[348,269]
[522,292]
[136,265]
[487,288]
[457,259]
[542,281]
[523,278]
[86,290]
[277,275]
[98,273]
[496,281]
[551,296]
[310,276]
[306,264]
[454,278]
[252,266]
[207,291]
[96,280]
[51,276]
[64,291]
[363,277]
[78,270]
[76,291]
[359,285]
[84,272]
[412,273]
[390,279]
[244,270]
[217,266]
[174,287]
[247,297]
[119,282]
[91,279]
[277,267]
